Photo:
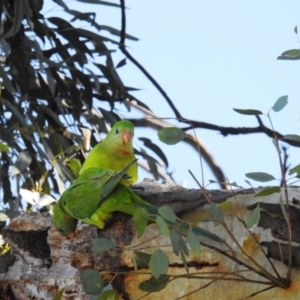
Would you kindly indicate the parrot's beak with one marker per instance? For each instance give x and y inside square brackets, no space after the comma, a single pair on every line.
[126,136]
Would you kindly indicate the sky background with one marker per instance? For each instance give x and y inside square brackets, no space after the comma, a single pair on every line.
[210,57]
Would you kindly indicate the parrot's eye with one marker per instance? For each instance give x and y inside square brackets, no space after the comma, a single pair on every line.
[117,131]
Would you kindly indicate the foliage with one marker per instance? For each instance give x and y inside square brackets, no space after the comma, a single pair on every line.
[60,87]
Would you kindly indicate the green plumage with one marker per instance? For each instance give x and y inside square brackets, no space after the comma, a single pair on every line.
[115,152]
[92,198]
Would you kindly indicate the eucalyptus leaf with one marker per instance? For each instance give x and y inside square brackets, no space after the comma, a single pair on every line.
[268,191]
[254,217]
[250,112]
[163,226]
[171,135]
[109,295]
[167,213]
[141,259]
[216,214]
[183,258]
[4,148]
[292,137]
[280,103]
[140,219]
[175,238]
[159,263]
[183,246]
[91,281]
[114,180]
[275,142]
[193,243]
[154,284]
[283,209]
[103,244]
[248,182]
[295,169]
[292,54]
[260,176]
[59,294]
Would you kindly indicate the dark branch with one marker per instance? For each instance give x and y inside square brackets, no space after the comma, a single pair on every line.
[142,69]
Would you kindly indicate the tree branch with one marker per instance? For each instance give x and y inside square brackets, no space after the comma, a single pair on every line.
[139,66]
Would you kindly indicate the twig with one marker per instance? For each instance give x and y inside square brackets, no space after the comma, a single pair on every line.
[139,66]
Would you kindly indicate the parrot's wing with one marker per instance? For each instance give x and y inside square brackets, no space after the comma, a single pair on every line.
[91,188]
[114,180]
[82,198]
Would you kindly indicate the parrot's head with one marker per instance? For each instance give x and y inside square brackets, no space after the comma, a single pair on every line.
[63,222]
[121,134]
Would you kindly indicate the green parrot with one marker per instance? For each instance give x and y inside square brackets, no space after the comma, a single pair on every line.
[93,197]
[115,152]
[97,193]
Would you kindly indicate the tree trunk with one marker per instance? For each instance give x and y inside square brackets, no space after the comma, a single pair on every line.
[42,262]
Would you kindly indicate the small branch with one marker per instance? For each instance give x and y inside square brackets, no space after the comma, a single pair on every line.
[139,66]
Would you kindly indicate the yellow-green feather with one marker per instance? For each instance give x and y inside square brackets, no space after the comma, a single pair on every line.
[82,200]
[112,153]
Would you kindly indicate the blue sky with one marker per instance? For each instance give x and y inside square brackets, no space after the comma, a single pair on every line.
[210,57]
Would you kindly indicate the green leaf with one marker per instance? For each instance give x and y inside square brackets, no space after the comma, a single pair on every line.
[293,137]
[109,295]
[250,112]
[159,263]
[225,205]
[292,54]
[276,145]
[205,233]
[163,226]
[183,246]
[296,29]
[171,135]
[248,182]
[103,244]
[140,259]
[75,166]
[268,191]
[174,238]
[113,181]
[154,285]
[17,21]
[216,214]
[140,219]
[254,218]
[167,213]
[280,103]
[92,282]
[121,63]
[282,206]
[260,176]
[193,243]
[59,294]
[295,169]
[3,147]
[184,261]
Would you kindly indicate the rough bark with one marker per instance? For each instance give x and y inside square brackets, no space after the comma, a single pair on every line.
[42,262]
